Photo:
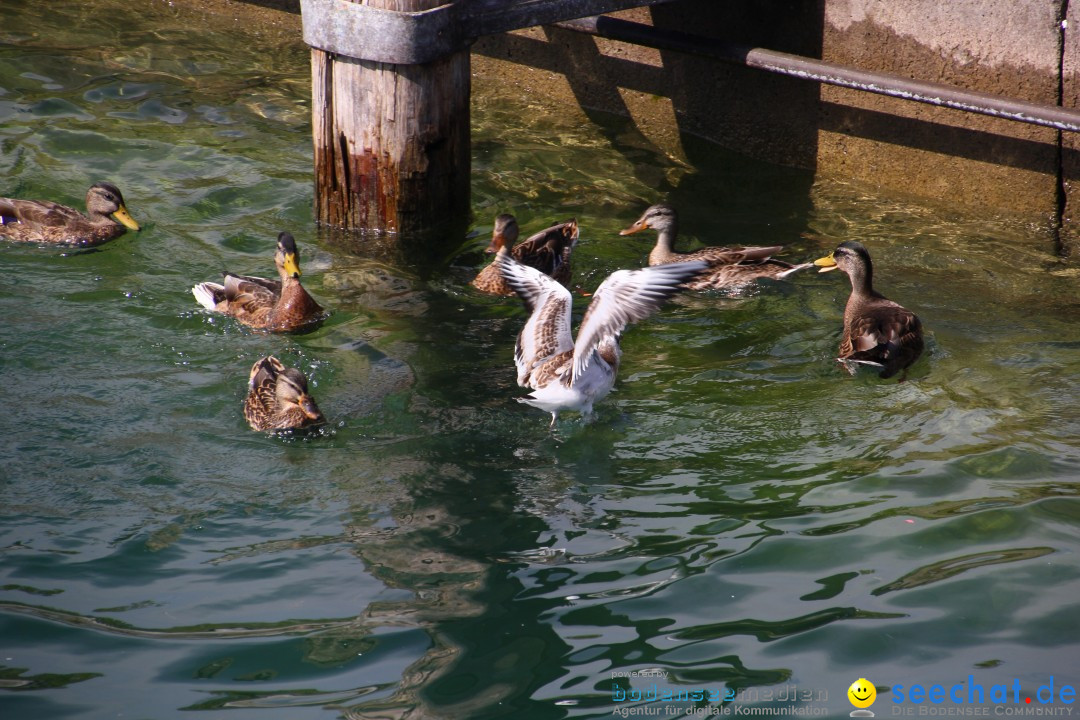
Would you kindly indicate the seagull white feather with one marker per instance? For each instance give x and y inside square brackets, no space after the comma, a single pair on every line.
[565,374]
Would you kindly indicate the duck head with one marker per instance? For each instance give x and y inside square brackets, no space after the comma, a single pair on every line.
[504,234]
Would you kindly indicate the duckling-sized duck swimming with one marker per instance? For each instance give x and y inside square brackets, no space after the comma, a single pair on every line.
[278,398]
[729,268]
[277,305]
[565,374]
[548,251]
[877,331]
[41,221]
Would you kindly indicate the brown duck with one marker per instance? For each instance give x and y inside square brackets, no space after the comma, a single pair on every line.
[548,251]
[277,305]
[41,221]
[729,268]
[278,398]
[877,331]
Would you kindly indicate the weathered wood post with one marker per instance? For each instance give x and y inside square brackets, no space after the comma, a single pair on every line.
[390,114]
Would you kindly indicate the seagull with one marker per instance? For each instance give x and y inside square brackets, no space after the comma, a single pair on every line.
[565,374]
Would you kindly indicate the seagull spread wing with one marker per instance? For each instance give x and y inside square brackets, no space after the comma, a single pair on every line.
[547,332]
[624,297]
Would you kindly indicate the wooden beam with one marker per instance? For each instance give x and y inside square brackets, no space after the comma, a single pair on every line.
[392,150]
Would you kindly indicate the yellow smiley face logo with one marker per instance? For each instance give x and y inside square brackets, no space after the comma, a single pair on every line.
[862,693]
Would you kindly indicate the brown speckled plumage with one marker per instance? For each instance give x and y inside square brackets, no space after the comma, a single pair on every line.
[278,398]
[277,305]
[729,268]
[877,331]
[548,251]
[41,221]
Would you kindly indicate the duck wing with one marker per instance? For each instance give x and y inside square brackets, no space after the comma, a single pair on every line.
[41,213]
[731,255]
[624,297]
[547,331]
[262,382]
[264,373]
[885,333]
[734,277]
[274,286]
[248,294]
[549,249]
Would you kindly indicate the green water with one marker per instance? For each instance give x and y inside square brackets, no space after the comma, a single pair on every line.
[741,517]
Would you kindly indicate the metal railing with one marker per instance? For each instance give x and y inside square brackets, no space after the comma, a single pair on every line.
[897,86]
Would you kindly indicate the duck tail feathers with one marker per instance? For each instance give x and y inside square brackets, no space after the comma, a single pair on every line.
[794,269]
[208,294]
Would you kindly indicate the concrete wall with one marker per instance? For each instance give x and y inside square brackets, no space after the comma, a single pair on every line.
[983,164]
[1004,48]
[1015,48]
[1070,156]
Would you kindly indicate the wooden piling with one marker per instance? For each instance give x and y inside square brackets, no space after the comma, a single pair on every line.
[392,148]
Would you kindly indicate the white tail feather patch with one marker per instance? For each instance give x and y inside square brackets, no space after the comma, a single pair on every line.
[204,294]
[797,268]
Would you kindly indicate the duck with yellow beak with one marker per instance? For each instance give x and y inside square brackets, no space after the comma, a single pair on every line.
[276,305]
[47,223]
[877,331]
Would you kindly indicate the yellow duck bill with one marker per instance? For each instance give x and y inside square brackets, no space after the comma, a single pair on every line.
[124,218]
[827,263]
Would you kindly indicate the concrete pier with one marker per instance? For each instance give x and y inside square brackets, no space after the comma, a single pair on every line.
[982,164]
[1024,49]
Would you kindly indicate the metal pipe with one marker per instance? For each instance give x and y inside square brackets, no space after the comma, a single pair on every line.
[830,73]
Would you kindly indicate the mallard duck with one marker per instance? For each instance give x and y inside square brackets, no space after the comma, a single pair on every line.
[278,398]
[729,268]
[565,374]
[277,305]
[548,251]
[41,221]
[877,331]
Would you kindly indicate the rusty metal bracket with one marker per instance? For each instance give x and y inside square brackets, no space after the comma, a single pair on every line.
[367,33]
[412,38]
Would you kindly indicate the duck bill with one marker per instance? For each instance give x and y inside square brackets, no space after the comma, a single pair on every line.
[827,264]
[291,265]
[310,409]
[124,218]
[498,242]
[636,227]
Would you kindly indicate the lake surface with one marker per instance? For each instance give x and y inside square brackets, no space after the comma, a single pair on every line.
[741,519]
